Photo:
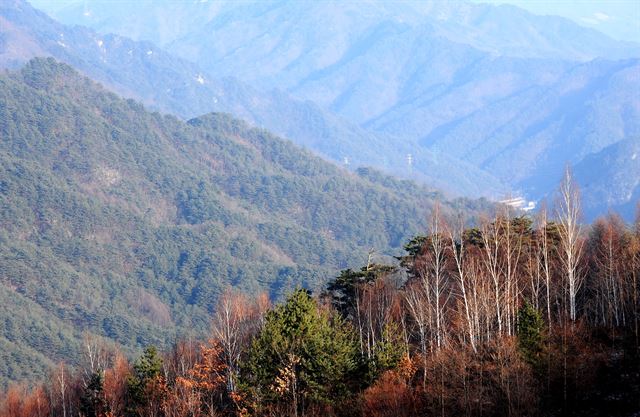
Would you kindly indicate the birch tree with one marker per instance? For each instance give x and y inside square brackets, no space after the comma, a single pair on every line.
[457,249]
[571,243]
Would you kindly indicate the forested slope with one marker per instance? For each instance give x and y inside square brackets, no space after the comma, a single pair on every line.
[128,223]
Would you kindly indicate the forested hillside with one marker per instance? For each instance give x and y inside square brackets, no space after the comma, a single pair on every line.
[128,224]
[515,317]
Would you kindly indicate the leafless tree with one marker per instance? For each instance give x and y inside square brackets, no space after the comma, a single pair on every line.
[96,355]
[457,249]
[491,242]
[235,320]
[435,272]
[61,387]
[571,243]
[513,243]
[227,325]
[634,248]
[420,313]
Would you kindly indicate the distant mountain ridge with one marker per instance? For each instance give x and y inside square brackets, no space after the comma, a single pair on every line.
[504,29]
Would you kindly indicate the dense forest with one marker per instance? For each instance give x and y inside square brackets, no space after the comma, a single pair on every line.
[518,316]
[128,224]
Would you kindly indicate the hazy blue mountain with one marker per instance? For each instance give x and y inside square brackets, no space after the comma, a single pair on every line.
[357,57]
[300,30]
[610,179]
[527,134]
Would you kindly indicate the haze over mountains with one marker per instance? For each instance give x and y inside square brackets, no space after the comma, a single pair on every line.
[455,84]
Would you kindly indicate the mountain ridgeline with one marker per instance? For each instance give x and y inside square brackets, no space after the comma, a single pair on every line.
[128,224]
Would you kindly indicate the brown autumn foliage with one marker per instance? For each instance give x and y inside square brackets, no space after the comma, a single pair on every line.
[390,396]
[393,394]
[115,387]
[19,401]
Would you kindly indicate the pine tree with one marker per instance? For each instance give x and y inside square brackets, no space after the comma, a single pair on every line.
[343,290]
[530,333]
[146,386]
[301,357]
[93,402]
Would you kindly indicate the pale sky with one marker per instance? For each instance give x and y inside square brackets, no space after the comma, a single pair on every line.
[620,19]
